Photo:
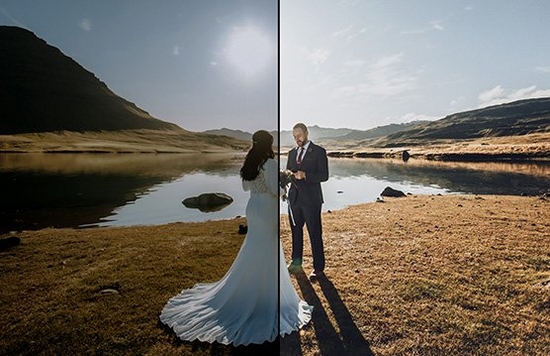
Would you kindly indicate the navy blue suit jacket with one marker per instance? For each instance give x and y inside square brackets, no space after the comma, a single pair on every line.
[315,165]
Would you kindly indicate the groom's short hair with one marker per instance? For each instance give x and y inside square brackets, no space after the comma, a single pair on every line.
[301,127]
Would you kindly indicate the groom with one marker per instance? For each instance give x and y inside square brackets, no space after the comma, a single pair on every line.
[309,164]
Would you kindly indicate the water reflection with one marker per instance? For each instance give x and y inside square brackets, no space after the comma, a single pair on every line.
[163,203]
[71,190]
[471,178]
[42,190]
[359,180]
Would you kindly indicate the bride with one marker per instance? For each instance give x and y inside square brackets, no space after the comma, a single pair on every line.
[255,301]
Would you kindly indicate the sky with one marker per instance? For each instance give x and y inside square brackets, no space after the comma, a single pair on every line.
[343,63]
[200,64]
[363,64]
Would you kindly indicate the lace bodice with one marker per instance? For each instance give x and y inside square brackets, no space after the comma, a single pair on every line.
[267,181]
[258,185]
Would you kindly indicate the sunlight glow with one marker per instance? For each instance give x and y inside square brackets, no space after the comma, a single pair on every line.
[249,51]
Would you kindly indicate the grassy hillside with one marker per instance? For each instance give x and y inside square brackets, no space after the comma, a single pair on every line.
[123,141]
[517,118]
[43,90]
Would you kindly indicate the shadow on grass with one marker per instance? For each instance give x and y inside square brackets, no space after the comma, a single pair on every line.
[349,340]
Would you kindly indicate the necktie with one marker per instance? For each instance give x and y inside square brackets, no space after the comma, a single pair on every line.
[300,155]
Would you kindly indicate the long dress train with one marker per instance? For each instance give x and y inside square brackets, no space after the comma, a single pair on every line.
[250,304]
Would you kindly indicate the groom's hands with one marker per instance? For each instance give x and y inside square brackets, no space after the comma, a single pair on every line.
[284,179]
[300,175]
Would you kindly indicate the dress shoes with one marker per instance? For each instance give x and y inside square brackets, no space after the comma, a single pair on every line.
[315,275]
[294,268]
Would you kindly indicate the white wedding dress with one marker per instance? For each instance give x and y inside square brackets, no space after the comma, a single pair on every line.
[255,301]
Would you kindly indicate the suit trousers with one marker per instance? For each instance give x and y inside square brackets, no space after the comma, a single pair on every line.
[310,215]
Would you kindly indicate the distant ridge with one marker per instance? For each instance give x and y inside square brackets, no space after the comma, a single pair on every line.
[516,118]
[43,90]
[240,135]
[519,118]
[327,135]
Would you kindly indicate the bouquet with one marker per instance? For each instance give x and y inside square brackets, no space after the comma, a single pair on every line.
[286,177]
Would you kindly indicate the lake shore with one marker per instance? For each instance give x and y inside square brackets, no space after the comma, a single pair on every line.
[526,148]
[422,274]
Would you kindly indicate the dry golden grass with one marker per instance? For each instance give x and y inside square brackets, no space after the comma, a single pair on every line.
[51,288]
[431,275]
[421,275]
[526,144]
[124,141]
[537,144]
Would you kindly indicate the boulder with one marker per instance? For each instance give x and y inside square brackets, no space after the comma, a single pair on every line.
[11,241]
[243,229]
[390,192]
[405,155]
[208,202]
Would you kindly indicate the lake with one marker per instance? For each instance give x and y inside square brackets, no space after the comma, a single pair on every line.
[85,190]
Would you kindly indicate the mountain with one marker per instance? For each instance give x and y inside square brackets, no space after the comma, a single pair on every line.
[43,90]
[316,133]
[381,131]
[511,119]
[240,135]
[327,135]
[518,118]
[322,134]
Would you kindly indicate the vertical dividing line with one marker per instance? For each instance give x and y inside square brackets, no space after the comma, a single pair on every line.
[279,161]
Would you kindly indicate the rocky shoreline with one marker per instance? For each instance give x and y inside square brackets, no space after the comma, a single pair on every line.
[446,157]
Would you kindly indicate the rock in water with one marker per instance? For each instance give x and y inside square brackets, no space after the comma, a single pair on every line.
[390,192]
[208,202]
[405,155]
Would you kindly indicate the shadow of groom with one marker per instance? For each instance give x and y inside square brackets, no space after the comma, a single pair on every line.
[348,341]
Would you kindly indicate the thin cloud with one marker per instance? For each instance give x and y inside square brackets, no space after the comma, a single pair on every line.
[85,24]
[384,78]
[491,95]
[176,50]
[356,33]
[342,32]
[436,25]
[411,117]
[455,103]
[356,63]
[318,56]
[544,70]
[384,63]
[499,95]
[348,33]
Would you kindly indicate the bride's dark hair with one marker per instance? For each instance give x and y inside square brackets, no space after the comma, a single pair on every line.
[261,150]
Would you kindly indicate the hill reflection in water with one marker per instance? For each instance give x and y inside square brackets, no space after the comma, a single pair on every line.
[76,190]
[70,190]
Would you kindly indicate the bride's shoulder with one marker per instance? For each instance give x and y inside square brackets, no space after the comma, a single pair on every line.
[271,164]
